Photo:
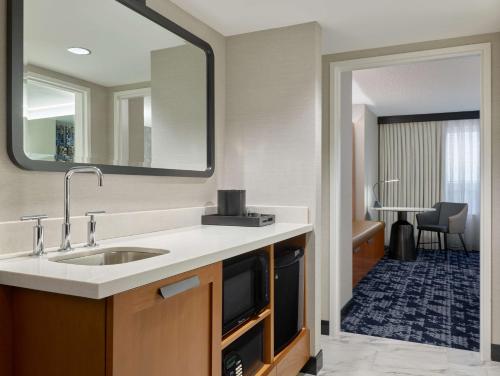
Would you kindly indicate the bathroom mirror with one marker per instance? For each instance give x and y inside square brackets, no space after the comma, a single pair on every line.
[110,83]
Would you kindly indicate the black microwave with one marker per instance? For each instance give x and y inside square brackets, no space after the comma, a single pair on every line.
[245,290]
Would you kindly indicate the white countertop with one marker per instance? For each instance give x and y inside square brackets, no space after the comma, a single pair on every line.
[190,248]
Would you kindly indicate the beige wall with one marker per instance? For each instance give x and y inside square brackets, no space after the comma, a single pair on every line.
[27,192]
[365,161]
[274,122]
[136,130]
[358,168]
[179,103]
[494,39]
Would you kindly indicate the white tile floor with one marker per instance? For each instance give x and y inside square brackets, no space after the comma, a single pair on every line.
[357,355]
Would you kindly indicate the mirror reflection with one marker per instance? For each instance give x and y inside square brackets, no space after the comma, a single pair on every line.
[105,85]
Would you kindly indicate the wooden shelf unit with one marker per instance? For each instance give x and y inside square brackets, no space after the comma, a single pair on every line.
[301,341]
[137,331]
[291,359]
[267,369]
[238,332]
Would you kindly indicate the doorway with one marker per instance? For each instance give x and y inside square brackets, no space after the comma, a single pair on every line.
[132,127]
[341,80]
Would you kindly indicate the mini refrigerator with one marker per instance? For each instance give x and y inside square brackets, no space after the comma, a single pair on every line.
[288,296]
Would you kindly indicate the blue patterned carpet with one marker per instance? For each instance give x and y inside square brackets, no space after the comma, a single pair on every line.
[434,300]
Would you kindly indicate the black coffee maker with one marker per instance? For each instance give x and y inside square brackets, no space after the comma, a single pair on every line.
[232,211]
[232,202]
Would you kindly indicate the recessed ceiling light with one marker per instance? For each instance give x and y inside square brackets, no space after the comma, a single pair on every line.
[79,51]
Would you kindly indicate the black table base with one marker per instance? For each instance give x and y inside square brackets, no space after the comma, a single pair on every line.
[402,243]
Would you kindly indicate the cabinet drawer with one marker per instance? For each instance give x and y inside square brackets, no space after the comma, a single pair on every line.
[366,256]
[145,297]
[169,327]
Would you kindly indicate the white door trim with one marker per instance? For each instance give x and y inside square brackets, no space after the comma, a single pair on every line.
[336,69]
[83,144]
[120,123]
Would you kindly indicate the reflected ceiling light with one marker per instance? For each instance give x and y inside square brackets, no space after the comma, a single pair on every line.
[79,51]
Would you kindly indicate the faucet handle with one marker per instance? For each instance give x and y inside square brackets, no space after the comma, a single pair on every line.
[36,217]
[93,213]
[91,229]
[38,241]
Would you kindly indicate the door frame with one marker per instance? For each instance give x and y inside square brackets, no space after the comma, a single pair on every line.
[83,135]
[483,50]
[121,126]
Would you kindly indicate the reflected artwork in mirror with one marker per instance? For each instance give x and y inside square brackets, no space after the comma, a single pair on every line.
[110,83]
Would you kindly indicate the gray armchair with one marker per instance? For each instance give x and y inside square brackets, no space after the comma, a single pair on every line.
[449,218]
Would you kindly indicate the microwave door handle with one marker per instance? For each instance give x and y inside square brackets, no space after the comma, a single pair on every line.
[264,266]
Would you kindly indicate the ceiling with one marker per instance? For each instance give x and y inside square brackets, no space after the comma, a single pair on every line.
[353,24]
[120,40]
[40,96]
[447,85]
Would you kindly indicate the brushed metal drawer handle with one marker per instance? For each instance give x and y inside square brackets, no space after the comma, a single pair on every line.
[179,287]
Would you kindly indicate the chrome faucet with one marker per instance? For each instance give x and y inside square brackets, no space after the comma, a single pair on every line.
[91,227]
[66,227]
[38,239]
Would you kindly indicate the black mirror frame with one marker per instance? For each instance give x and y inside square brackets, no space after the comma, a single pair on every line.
[15,77]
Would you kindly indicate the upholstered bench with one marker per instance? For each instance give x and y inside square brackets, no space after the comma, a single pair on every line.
[367,247]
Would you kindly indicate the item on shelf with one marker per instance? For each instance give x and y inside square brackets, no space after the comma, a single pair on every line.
[244,357]
[231,202]
[232,212]
[245,290]
[288,296]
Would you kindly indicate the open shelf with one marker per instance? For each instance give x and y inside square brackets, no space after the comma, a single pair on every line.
[302,337]
[291,359]
[266,368]
[237,333]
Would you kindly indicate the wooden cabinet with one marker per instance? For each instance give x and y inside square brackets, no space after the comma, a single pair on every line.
[172,327]
[57,335]
[137,332]
[368,248]
[177,335]
[291,360]
[5,332]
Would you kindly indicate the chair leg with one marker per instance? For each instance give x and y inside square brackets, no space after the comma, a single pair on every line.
[463,244]
[439,241]
[418,239]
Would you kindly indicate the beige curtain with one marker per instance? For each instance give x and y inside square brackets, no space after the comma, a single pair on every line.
[410,152]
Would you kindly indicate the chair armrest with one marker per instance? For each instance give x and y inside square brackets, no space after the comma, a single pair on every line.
[428,218]
[456,223]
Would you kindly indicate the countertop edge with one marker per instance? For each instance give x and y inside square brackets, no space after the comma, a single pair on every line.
[102,290]
[107,289]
